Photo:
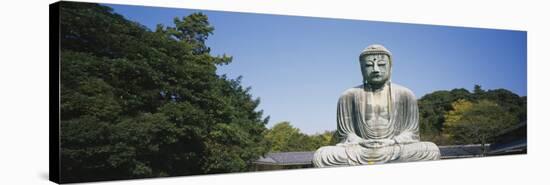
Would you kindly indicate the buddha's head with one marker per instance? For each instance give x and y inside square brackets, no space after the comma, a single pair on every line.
[376,65]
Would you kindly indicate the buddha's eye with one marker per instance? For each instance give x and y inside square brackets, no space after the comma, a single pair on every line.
[369,64]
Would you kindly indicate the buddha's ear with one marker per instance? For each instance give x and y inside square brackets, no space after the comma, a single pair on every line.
[390,66]
[390,60]
[363,70]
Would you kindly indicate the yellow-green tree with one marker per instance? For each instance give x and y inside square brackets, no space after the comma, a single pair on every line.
[286,138]
[433,107]
[459,107]
[476,122]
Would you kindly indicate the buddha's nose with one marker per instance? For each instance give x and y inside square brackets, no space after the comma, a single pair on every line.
[376,69]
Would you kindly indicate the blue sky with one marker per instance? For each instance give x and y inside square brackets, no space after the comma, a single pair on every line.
[299,66]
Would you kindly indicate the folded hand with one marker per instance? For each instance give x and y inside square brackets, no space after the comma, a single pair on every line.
[377,143]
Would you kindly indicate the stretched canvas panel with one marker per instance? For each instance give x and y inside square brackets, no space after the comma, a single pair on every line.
[156,92]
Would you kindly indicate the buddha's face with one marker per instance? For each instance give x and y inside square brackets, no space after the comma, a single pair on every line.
[375,68]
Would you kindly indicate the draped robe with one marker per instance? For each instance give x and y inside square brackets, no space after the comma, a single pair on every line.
[365,115]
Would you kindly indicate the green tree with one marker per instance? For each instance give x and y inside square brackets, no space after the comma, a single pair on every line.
[286,138]
[459,108]
[140,103]
[472,123]
[434,106]
[322,139]
[478,90]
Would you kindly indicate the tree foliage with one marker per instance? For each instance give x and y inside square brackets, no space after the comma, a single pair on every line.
[141,103]
[459,108]
[480,122]
[286,138]
[437,107]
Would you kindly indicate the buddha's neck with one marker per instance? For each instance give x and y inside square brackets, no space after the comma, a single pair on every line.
[375,87]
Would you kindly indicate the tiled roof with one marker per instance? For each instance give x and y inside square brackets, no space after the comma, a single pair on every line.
[286,158]
[460,151]
[513,140]
[514,146]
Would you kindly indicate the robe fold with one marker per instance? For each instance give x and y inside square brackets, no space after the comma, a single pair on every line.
[363,117]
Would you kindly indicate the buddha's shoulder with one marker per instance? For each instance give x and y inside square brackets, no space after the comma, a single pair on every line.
[401,90]
[352,91]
